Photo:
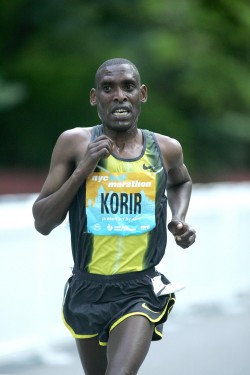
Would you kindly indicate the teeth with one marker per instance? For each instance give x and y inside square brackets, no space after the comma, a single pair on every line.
[120,110]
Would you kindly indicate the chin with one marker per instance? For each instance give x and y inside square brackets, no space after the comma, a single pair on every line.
[120,126]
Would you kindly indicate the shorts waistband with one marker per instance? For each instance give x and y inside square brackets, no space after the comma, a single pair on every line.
[117,277]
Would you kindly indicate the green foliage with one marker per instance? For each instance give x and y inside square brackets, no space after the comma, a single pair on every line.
[193,55]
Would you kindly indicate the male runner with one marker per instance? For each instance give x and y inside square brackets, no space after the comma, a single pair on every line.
[112,179]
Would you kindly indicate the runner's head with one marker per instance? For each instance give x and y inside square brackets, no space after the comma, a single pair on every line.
[118,94]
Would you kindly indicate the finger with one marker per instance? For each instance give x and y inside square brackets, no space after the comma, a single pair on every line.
[192,239]
[175,227]
[186,235]
[96,148]
[102,153]
[106,141]
[102,138]
[185,242]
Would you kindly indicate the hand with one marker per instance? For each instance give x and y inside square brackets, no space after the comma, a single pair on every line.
[101,147]
[184,235]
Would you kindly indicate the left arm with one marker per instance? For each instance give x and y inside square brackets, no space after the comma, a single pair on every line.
[179,188]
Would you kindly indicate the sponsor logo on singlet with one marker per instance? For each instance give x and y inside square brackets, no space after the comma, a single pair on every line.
[120,203]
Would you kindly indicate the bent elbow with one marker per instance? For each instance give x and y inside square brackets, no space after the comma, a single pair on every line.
[42,229]
[41,225]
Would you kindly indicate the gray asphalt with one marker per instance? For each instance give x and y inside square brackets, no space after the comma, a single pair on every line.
[206,344]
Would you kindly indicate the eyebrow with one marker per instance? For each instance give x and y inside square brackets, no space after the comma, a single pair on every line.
[111,80]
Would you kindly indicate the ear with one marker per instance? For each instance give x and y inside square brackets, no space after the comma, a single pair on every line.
[144,93]
[92,97]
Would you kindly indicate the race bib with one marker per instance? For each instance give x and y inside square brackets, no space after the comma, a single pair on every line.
[120,203]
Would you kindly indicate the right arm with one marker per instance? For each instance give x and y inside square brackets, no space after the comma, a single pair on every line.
[179,188]
[73,159]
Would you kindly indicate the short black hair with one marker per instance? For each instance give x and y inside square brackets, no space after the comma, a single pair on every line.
[115,61]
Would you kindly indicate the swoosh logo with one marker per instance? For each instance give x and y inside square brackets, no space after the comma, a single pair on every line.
[147,308]
[146,167]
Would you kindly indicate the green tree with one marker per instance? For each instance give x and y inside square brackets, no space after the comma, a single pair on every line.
[193,55]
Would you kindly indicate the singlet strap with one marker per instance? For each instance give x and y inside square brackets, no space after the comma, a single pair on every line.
[160,153]
[151,138]
[97,130]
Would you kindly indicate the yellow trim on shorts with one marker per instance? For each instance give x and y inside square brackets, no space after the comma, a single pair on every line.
[158,333]
[102,343]
[75,335]
[144,314]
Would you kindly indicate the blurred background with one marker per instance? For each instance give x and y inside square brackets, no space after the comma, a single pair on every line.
[194,57]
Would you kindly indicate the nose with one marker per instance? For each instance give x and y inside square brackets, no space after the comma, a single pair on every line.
[120,95]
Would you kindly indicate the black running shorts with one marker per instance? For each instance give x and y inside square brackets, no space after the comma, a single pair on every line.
[95,304]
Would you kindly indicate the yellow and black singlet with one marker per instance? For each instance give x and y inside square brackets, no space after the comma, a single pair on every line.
[118,217]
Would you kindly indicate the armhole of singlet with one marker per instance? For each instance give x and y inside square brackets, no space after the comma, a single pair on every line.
[159,150]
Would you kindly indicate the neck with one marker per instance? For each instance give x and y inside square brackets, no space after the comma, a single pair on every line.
[126,143]
[128,136]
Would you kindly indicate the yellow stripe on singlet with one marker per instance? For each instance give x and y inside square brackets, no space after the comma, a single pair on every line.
[118,254]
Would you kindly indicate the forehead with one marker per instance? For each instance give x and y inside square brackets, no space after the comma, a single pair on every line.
[117,72]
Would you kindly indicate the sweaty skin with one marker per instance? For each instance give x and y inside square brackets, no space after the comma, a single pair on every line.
[118,95]
[118,98]
[74,158]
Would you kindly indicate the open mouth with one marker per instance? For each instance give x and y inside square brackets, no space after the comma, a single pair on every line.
[121,112]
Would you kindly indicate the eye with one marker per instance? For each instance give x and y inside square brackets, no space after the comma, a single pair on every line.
[107,87]
[129,86]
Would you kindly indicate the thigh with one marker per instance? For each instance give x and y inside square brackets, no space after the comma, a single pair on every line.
[93,356]
[128,345]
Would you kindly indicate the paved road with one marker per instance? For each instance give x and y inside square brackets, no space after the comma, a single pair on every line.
[201,344]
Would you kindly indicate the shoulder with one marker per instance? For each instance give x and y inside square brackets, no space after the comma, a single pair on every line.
[171,150]
[71,143]
[75,134]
